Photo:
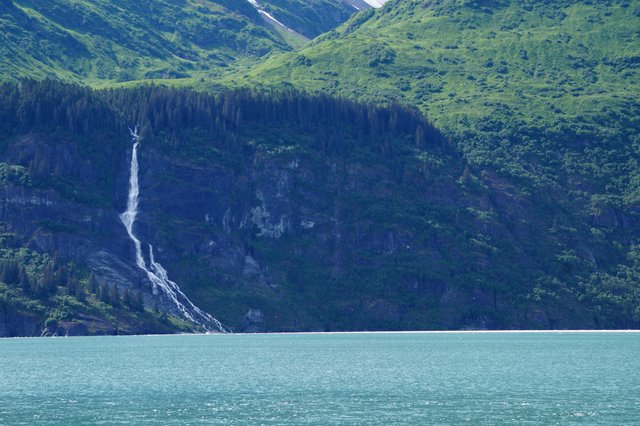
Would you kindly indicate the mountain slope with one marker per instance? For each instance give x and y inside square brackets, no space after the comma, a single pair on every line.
[466,63]
[543,92]
[105,42]
[521,84]
[285,212]
[540,97]
[223,189]
[311,17]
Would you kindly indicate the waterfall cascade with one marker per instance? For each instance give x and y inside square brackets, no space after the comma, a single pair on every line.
[156,272]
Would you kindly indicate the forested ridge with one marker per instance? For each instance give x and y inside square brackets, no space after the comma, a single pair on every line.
[349,216]
[543,92]
[314,194]
[192,126]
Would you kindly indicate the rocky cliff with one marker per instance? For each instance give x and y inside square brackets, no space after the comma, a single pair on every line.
[293,213]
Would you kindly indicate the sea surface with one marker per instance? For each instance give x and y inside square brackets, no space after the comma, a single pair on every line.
[324,379]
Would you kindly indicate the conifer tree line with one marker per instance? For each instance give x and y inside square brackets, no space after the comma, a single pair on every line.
[97,121]
[48,105]
[168,113]
[63,279]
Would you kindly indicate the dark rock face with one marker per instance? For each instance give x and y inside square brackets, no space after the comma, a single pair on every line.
[270,247]
[16,324]
[285,224]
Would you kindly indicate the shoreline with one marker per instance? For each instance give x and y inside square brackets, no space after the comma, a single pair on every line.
[293,333]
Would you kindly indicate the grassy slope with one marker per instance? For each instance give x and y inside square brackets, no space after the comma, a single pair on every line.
[105,42]
[538,62]
[545,93]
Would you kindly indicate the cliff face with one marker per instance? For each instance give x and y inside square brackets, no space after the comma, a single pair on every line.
[294,241]
[286,228]
[16,324]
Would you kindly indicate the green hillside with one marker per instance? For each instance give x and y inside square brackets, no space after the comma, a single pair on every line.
[471,63]
[182,42]
[284,211]
[541,97]
[277,209]
[523,84]
[105,42]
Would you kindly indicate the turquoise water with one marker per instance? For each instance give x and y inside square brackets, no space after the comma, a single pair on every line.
[441,378]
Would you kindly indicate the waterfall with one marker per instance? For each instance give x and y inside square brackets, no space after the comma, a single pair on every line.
[156,272]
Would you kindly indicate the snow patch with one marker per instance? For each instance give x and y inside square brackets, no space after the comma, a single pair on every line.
[374,3]
[269,17]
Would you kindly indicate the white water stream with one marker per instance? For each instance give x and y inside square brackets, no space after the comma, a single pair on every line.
[157,274]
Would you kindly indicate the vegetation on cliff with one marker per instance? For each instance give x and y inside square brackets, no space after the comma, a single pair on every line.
[322,213]
[544,92]
[280,210]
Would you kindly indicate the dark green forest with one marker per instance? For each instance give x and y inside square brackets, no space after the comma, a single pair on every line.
[322,213]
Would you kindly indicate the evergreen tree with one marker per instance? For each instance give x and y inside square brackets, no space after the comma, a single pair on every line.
[103,293]
[127,299]
[62,276]
[93,283]
[47,284]
[72,285]
[25,282]
[114,295]
[80,293]
[10,272]
[420,138]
